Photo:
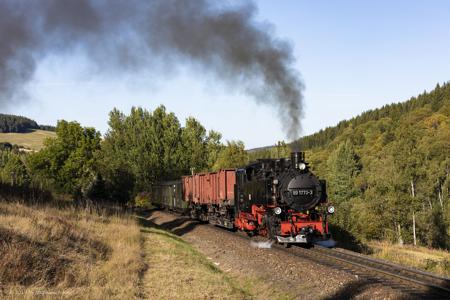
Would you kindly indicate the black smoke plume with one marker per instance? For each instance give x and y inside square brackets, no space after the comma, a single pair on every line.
[220,39]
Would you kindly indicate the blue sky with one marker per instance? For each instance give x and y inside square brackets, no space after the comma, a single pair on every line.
[353,56]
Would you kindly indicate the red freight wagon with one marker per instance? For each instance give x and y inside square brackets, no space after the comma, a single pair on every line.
[210,188]
[211,196]
[188,188]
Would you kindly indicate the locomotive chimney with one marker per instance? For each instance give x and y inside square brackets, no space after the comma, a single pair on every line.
[297,158]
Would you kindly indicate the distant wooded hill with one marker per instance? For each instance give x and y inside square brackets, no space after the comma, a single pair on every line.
[432,101]
[19,124]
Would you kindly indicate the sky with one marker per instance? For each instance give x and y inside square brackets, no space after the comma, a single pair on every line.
[352,56]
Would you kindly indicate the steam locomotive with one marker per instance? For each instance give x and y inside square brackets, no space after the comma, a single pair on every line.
[277,198]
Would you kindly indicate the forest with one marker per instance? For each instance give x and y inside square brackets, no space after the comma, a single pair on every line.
[19,124]
[387,169]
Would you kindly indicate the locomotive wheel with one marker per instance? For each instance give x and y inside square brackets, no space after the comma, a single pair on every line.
[286,245]
[193,214]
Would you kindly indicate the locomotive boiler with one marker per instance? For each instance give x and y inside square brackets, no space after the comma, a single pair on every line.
[277,198]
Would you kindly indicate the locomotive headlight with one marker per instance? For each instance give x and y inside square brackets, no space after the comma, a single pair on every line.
[277,210]
[302,166]
[330,210]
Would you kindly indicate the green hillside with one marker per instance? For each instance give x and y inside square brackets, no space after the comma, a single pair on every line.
[430,103]
[389,168]
[34,139]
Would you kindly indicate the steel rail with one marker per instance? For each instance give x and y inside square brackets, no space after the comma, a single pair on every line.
[381,270]
[433,279]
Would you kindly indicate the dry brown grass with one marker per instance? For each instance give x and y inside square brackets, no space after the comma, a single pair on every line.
[431,260]
[30,140]
[65,253]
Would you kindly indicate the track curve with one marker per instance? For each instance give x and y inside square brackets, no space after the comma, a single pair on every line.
[415,282]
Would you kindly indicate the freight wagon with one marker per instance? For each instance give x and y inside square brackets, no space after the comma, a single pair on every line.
[211,196]
[169,195]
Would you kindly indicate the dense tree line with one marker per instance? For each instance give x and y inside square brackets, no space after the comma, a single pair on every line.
[388,170]
[279,150]
[138,150]
[19,124]
[145,147]
[47,127]
[394,112]
[11,123]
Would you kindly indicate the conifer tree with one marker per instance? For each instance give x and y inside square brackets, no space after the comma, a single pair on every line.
[344,167]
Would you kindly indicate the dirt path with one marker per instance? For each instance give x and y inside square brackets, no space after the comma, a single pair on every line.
[270,273]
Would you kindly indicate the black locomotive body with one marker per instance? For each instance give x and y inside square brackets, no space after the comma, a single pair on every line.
[281,182]
[283,199]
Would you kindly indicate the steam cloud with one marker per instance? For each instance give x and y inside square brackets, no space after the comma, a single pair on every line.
[126,36]
[262,245]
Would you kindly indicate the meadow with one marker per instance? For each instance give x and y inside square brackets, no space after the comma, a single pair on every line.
[33,140]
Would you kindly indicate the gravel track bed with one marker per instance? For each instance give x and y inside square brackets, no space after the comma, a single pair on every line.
[298,277]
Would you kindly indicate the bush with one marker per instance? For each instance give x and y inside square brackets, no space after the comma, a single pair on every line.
[142,200]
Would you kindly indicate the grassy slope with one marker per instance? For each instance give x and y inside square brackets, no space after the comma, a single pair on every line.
[431,260]
[32,140]
[178,271]
[64,253]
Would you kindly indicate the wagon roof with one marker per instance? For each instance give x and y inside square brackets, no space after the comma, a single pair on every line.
[214,172]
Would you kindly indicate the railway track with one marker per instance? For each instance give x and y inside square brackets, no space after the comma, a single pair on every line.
[425,279]
[414,282]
